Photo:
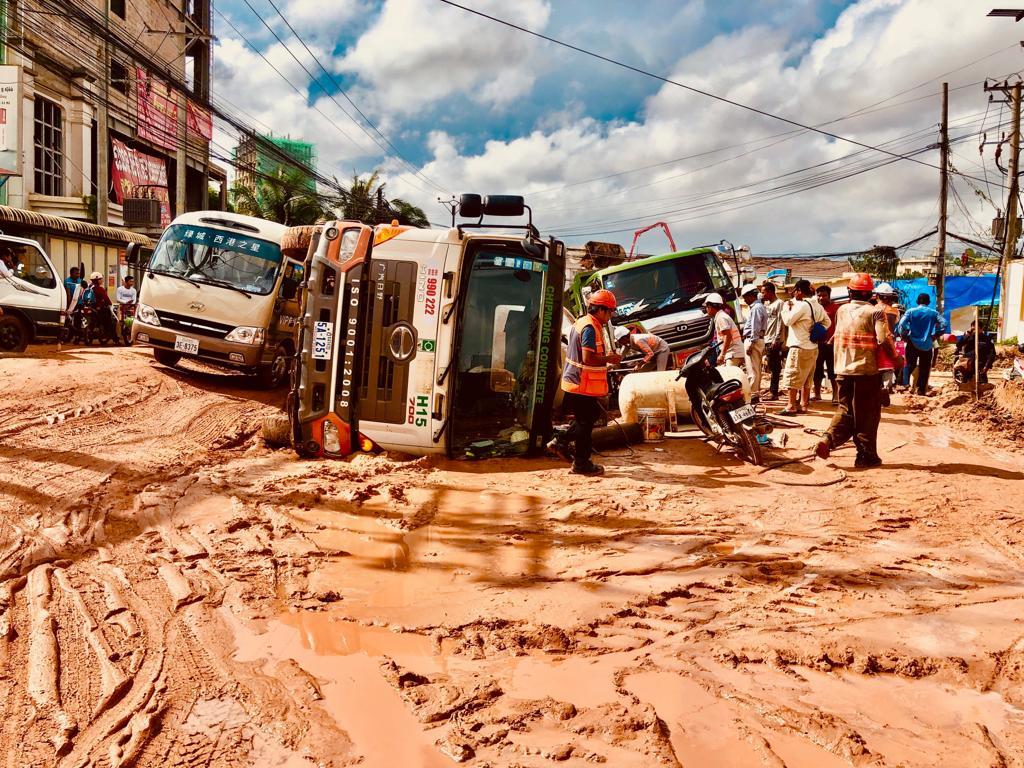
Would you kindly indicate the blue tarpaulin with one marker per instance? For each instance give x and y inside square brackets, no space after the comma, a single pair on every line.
[961,291]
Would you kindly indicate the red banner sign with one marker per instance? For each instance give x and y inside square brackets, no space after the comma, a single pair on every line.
[157,108]
[136,174]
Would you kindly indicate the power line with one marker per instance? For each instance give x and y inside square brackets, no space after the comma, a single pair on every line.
[684,86]
[330,76]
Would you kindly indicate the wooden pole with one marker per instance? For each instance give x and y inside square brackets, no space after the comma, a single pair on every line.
[977,345]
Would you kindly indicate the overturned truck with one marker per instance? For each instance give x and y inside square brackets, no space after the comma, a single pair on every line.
[429,341]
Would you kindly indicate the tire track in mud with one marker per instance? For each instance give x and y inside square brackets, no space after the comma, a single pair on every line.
[107,607]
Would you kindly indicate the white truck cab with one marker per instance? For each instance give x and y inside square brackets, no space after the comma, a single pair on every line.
[32,296]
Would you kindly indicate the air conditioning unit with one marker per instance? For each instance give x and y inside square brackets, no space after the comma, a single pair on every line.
[141,212]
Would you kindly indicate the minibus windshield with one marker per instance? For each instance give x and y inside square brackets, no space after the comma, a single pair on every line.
[218,257]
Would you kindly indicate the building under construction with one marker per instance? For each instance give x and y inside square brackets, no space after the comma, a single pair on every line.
[258,158]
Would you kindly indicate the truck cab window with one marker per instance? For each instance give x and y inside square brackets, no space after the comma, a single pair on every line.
[28,264]
[497,363]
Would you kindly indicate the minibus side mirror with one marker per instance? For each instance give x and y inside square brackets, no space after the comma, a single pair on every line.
[289,288]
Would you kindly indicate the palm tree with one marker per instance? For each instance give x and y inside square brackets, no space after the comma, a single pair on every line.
[364,201]
[286,198]
[407,213]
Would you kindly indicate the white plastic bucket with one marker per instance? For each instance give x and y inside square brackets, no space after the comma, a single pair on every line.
[652,422]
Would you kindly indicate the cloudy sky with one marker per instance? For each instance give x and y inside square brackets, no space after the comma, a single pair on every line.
[444,102]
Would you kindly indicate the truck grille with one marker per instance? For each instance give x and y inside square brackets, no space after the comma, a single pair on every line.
[194,325]
[689,334]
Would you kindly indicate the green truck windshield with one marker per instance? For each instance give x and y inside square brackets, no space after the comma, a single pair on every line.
[660,287]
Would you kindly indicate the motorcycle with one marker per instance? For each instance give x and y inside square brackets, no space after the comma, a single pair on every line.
[720,408]
[126,318]
[100,325]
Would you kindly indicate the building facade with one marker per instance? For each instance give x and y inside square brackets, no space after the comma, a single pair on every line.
[87,99]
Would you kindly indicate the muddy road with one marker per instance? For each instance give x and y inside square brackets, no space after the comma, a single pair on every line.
[175,593]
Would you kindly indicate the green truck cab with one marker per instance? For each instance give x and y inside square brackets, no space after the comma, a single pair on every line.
[662,295]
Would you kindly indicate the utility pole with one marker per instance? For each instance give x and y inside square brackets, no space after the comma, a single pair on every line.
[940,268]
[1010,241]
[101,173]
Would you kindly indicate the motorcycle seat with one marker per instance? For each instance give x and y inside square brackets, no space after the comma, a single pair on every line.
[724,388]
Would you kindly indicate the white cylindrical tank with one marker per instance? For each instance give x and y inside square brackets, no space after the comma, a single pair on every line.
[650,390]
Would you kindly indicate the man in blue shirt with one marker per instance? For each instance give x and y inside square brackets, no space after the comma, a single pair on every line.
[71,282]
[919,327]
[754,330]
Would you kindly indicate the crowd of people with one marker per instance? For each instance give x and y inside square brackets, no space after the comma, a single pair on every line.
[866,348]
[90,298]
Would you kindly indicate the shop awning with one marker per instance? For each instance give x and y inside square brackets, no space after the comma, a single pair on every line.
[59,224]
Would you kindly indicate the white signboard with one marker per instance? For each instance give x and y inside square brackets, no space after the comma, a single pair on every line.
[10,120]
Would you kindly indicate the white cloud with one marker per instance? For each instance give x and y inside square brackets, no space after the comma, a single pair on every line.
[420,51]
[876,49]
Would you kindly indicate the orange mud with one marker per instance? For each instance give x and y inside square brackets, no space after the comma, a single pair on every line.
[174,593]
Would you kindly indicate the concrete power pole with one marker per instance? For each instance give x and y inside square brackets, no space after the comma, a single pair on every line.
[1012,202]
[940,267]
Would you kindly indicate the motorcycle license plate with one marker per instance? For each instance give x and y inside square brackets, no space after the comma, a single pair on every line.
[187,345]
[323,338]
[742,414]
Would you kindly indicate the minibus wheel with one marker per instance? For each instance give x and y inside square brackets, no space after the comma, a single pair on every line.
[165,357]
[274,374]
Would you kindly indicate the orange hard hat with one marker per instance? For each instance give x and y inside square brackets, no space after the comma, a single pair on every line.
[603,298]
[861,282]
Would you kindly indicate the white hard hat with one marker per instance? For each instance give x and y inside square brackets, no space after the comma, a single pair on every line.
[95,276]
[748,288]
[885,290]
[621,333]
[714,298]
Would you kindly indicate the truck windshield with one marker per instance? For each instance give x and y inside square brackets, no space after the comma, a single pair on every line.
[216,256]
[664,286]
[497,363]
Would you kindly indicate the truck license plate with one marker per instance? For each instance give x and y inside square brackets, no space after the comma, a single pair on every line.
[187,345]
[742,414]
[323,338]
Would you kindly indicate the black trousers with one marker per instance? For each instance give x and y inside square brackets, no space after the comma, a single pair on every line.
[922,360]
[776,354]
[826,359]
[585,410]
[858,413]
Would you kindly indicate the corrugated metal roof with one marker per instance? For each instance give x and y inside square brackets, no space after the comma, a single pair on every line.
[70,226]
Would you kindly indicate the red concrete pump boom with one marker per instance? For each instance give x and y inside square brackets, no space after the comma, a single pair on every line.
[636,236]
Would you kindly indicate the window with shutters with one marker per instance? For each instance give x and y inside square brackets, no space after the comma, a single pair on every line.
[49,147]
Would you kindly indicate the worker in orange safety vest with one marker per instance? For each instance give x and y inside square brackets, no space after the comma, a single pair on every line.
[861,333]
[585,382]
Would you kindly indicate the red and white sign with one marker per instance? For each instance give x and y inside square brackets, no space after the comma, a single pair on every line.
[157,108]
[136,174]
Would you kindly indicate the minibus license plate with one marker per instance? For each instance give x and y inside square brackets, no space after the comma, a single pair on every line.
[742,414]
[323,337]
[186,345]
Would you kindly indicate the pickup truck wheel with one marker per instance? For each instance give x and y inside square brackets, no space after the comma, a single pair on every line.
[275,374]
[164,357]
[13,334]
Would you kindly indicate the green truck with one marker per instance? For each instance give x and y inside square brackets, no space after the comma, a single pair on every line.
[662,295]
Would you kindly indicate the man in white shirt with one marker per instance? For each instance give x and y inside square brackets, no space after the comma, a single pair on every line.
[798,315]
[126,293]
[727,333]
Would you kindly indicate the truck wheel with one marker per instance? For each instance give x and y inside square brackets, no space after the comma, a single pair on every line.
[164,357]
[275,374]
[13,334]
